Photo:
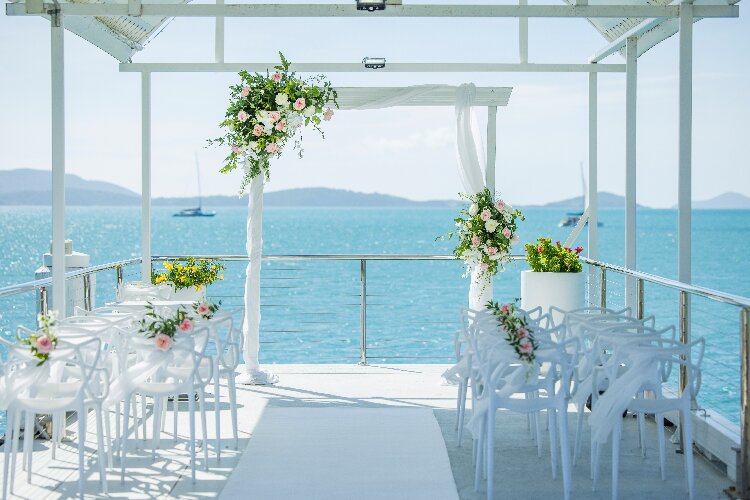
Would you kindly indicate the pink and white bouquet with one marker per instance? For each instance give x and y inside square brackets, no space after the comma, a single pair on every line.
[44,341]
[517,332]
[265,111]
[164,328]
[206,310]
[486,229]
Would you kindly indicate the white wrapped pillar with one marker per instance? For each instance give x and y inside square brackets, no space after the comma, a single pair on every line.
[251,326]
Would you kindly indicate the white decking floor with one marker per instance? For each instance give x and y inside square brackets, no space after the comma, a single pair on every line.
[519,473]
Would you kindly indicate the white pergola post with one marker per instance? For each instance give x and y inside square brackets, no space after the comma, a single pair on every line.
[523,36]
[489,174]
[57,62]
[219,37]
[684,192]
[631,80]
[146,176]
[593,194]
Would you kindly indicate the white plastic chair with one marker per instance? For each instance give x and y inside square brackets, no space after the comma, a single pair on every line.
[663,355]
[70,380]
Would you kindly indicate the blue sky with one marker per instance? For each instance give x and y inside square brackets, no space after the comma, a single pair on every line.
[542,134]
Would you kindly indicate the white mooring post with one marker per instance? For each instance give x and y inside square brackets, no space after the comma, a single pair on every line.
[489,174]
[631,81]
[593,205]
[57,61]
[146,176]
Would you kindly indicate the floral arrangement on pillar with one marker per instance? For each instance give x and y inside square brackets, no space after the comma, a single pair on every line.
[486,229]
[265,112]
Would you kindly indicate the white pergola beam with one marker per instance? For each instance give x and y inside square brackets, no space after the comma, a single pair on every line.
[619,42]
[359,68]
[631,82]
[349,10]
[57,69]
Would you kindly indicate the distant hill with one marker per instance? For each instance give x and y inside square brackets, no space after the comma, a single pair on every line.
[726,201]
[606,200]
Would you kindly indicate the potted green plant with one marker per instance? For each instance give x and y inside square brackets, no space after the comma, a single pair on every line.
[555,277]
[190,278]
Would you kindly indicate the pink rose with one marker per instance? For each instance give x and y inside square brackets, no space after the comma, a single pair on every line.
[258,130]
[272,147]
[186,325]
[505,308]
[300,104]
[484,266]
[506,232]
[500,204]
[245,91]
[276,77]
[163,342]
[475,241]
[522,332]
[328,115]
[280,125]
[540,249]
[44,345]
[275,116]
[242,116]
[485,215]
[236,150]
[525,346]
[491,250]
[203,309]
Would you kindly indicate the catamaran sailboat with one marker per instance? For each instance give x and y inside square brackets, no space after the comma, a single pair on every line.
[197,211]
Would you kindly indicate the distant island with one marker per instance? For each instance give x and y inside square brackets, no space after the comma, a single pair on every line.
[33,187]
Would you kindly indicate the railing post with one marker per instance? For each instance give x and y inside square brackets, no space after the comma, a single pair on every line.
[363,312]
[87,291]
[684,335]
[43,306]
[119,276]
[639,302]
[603,288]
[743,477]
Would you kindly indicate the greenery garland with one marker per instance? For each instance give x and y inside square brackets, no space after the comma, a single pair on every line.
[517,332]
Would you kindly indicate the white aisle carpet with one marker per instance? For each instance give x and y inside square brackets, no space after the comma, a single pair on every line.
[344,453]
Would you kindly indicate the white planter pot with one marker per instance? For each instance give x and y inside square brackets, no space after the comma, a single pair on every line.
[189,294]
[562,290]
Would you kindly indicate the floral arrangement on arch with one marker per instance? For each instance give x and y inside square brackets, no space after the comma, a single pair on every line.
[192,272]
[164,328]
[517,333]
[486,229]
[265,112]
[44,341]
[544,257]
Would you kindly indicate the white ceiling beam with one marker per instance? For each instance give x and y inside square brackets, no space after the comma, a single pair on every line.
[389,68]
[619,42]
[349,10]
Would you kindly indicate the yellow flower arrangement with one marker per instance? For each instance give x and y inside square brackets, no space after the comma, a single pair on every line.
[195,272]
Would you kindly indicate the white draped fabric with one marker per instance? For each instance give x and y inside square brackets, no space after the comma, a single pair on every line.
[471,169]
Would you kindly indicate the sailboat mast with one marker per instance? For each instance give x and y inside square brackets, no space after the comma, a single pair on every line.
[198,175]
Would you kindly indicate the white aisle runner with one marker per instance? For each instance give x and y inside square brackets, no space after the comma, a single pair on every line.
[344,453]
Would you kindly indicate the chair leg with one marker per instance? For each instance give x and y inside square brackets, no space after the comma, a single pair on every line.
[101,434]
[579,435]
[217,412]
[552,423]
[191,410]
[28,443]
[642,433]
[9,438]
[14,451]
[124,437]
[204,427]
[81,446]
[463,388]
[157,427]
[595,449]
[175,412]
[687,436]
[662,446]
[232,386]
[616,437]
[143,417]
[490,451]
[480,455]
[562,420]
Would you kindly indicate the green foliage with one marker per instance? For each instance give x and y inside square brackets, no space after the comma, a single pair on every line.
[544,257]
[194,272]
[517,332]
[154,324]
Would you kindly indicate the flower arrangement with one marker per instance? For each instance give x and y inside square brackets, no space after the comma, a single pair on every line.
[517,332]
[44,341]
[265,111]
[206,310]
[486,229]
[544,257]
[193,272]
[163,329]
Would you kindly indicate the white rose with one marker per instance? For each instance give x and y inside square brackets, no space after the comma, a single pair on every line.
[294,121]
[473,209]
[491,225]
[495,256]
[309,111]
[282,99]
[268,128]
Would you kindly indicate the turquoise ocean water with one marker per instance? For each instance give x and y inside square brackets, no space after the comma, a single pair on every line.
[311,311]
